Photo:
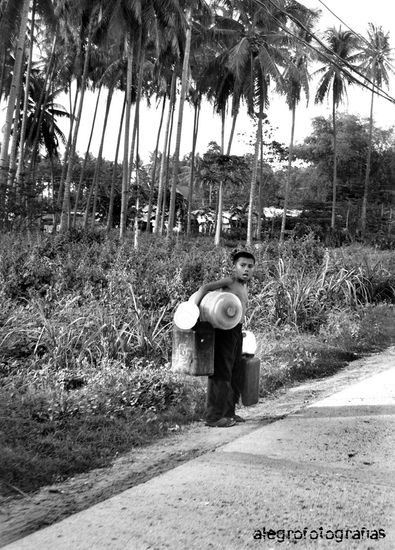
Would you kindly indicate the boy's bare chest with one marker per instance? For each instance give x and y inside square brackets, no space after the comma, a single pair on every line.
[240,291]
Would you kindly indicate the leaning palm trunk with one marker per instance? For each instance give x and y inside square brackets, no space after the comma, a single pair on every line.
[83,168]
[114,172]
[163,158]
[367,174]
[15,140]
[95,183]
[59,197]
[21,158]
[65,215]
[151,191]
[2,70]
[254,174]
[288,179]
[184,86]
[11,103]
[167,176]
[125,168]
[136,216]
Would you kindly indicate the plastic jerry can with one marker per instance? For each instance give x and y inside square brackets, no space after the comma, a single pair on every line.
[193,350]
[251,371]
[221,309]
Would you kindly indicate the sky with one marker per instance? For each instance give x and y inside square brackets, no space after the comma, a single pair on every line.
[354,13]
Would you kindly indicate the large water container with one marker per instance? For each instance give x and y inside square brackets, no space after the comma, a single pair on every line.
[251,372]
[186,315]
[221,309]
[193,350]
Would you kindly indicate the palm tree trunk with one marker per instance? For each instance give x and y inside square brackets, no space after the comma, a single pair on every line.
[260,191]
[232,131]
[136,217]
[223,131]
[2,71]
[66,153]
[192,174]
[83,168]
[289,174]
[158,217]
[184,85]
[254,174]
[334,184]
[11,100]
[151,191]
[367,173]
[65,215]
[140,54]
[15,139]
[95,183]
[21,159]
[218,226]
[125,169]
[167,177]
[114,172]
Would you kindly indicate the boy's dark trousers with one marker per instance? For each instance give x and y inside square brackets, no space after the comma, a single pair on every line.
[224,386]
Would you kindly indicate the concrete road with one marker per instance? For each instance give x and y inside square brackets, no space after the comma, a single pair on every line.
[320,478]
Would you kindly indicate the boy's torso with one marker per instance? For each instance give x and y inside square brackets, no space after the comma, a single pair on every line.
[239,290]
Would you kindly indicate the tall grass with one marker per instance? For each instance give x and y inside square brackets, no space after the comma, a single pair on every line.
[85,337]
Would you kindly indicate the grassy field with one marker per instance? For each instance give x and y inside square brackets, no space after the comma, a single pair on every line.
[85,337]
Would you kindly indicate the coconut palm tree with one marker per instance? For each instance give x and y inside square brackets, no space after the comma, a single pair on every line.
[136,21]
[296,79]
[376,64]
[15,82]
[333,82]
[195,12]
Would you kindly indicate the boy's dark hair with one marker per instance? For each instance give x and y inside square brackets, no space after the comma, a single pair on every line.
[242,254]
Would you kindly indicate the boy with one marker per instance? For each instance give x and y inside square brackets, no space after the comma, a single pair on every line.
[224,386]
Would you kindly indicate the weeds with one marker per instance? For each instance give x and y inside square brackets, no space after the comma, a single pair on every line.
[85,337]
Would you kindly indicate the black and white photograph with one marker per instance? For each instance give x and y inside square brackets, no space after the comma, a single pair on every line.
[197,274]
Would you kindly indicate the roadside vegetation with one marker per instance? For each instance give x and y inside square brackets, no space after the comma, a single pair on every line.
[86,330]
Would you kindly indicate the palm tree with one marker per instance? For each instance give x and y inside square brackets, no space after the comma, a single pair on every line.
[138,20]
[184,83]
[296,79]
[16,78]
[200,14]
[376,64]
[334,82]
[166,139]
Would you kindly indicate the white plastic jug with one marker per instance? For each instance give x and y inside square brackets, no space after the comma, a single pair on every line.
[186,315]
[249,343]
[221,309]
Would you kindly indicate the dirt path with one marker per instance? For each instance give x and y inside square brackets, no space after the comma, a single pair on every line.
[26,514]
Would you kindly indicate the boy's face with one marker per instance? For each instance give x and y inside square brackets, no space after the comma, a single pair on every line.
[244,268]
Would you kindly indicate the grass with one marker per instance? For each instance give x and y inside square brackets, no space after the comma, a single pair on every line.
[85,337]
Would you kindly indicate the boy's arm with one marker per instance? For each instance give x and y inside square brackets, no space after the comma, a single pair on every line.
[197,297]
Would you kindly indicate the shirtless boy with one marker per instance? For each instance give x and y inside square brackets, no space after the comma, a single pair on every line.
[224,386]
